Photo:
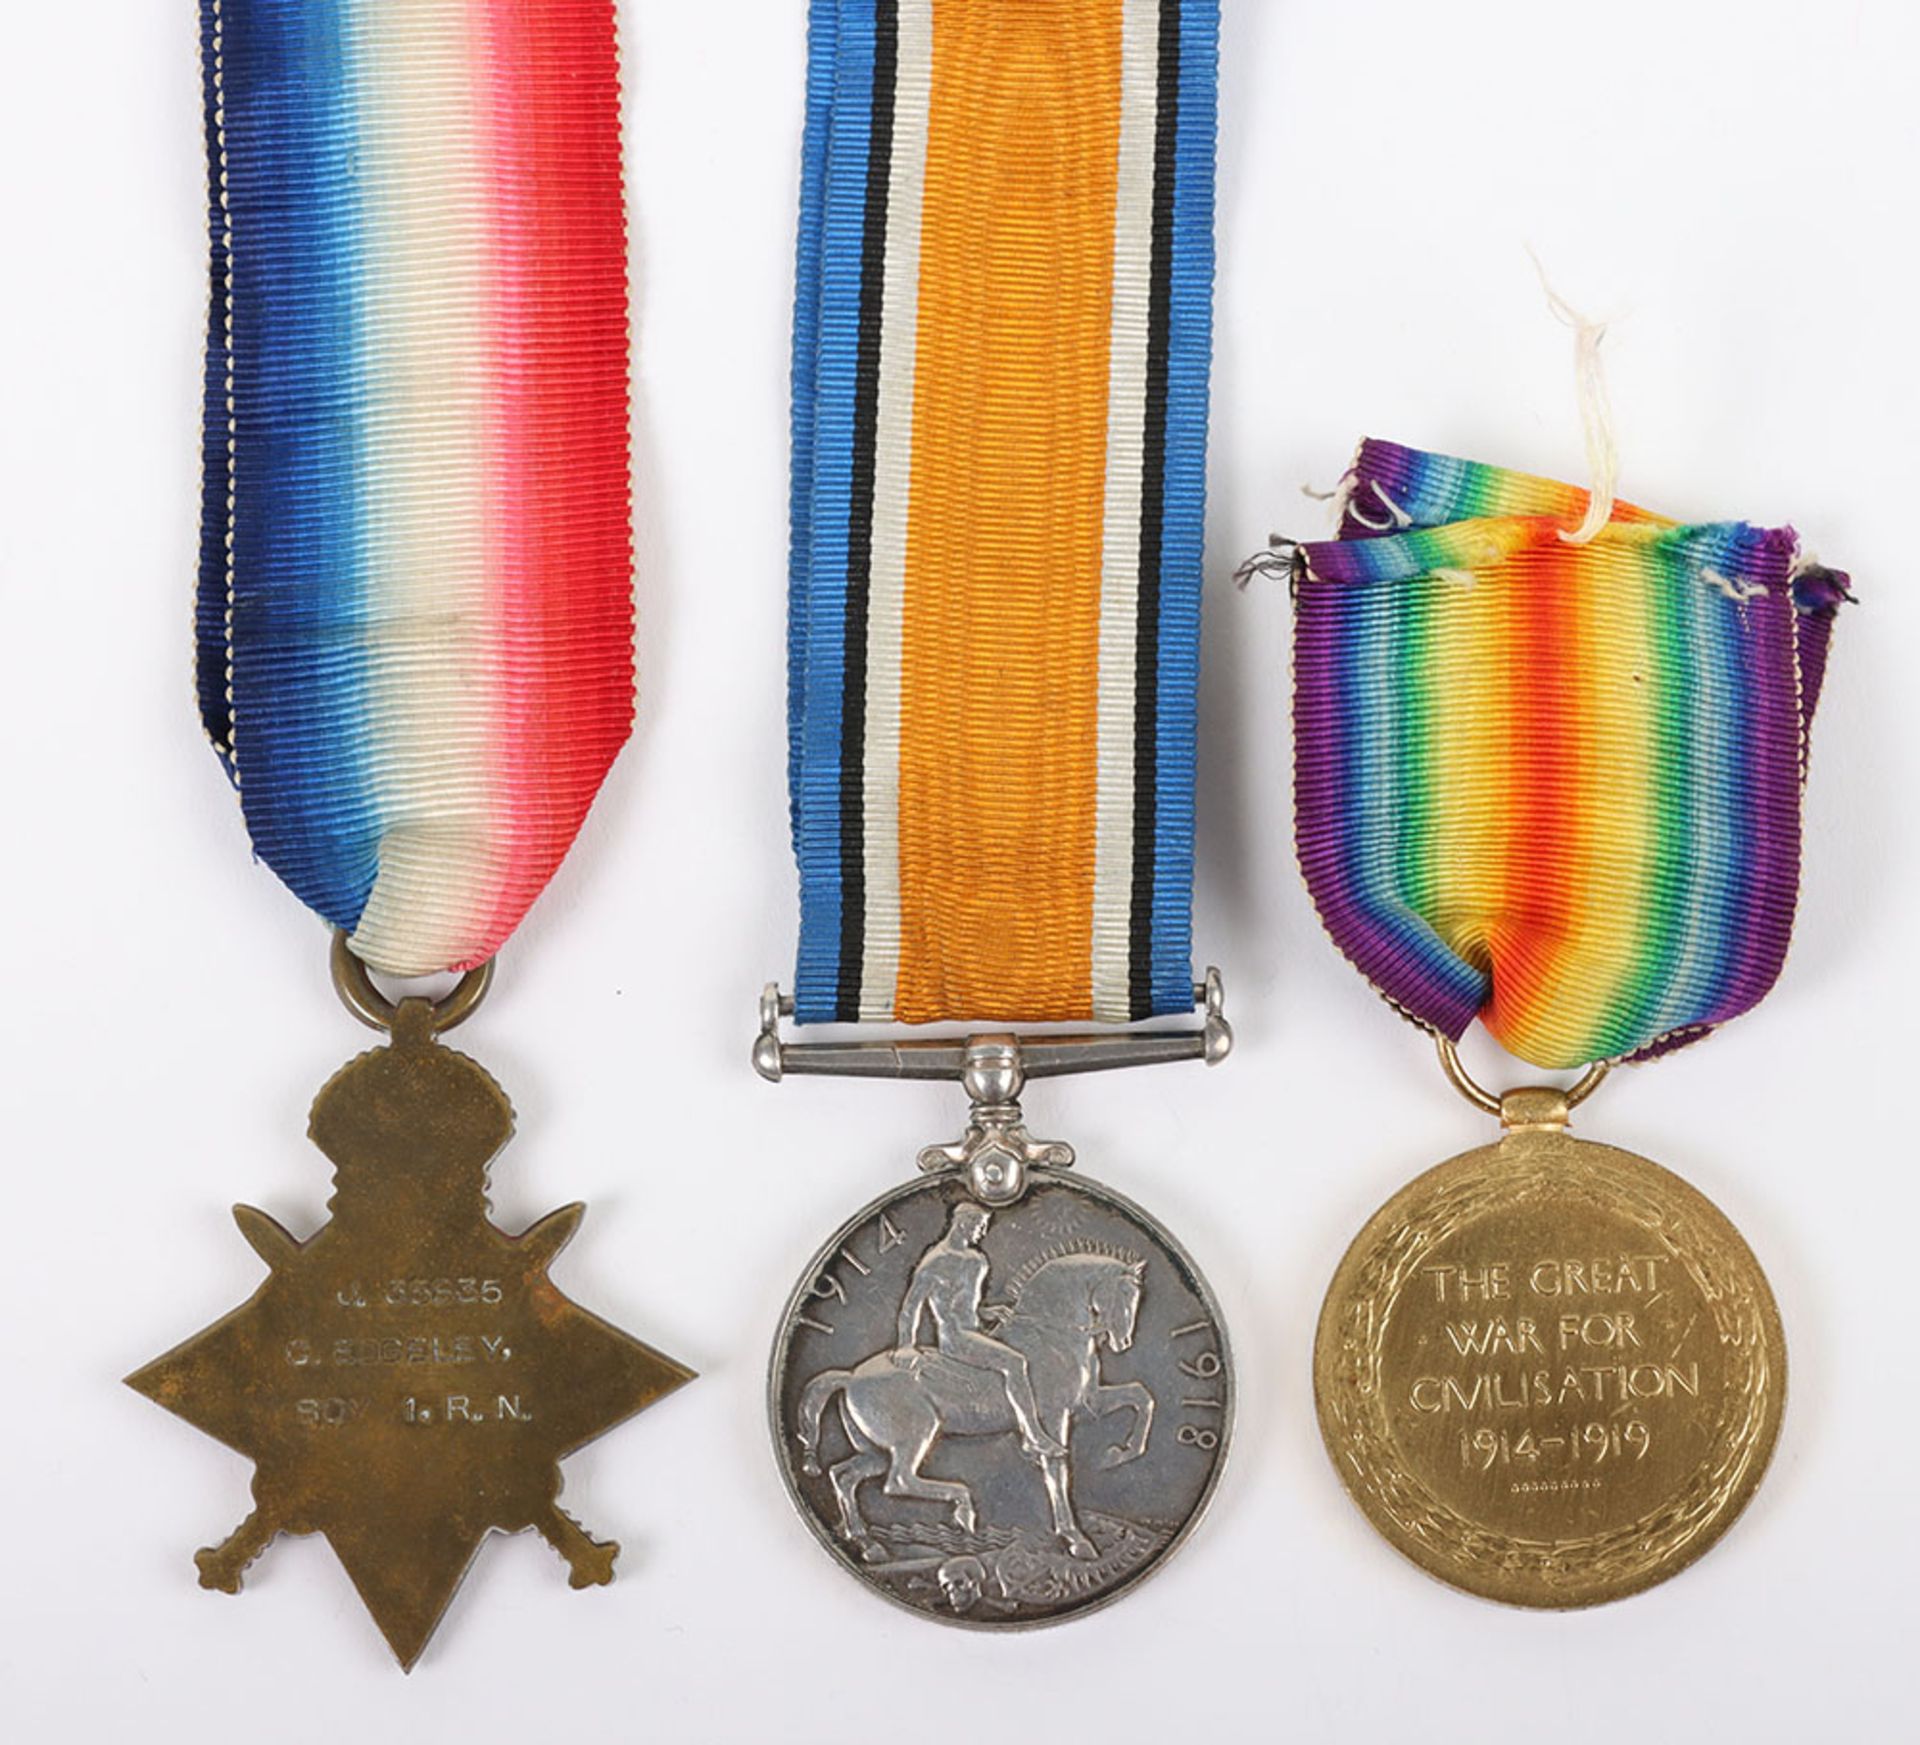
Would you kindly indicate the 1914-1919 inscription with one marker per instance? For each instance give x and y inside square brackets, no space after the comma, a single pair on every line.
[1550,1371]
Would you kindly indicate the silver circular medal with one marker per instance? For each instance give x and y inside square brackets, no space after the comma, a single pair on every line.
[1001,1415]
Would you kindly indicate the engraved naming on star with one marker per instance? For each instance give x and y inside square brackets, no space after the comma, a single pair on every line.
[408,1378]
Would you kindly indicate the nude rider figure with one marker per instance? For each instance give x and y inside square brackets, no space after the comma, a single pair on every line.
[948,1284]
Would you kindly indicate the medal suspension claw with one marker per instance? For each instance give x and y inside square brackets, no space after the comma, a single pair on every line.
[996,1151]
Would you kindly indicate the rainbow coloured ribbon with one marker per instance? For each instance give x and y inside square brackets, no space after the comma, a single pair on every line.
[1001,352]
[415,606]
[1553,786]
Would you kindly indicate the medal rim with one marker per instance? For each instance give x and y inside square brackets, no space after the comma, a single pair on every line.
[823,1533]
[1359,1474]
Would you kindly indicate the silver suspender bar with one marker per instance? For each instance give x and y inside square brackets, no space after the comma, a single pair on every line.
[997,1150]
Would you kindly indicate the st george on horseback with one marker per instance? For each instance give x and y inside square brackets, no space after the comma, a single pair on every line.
[1030,1376]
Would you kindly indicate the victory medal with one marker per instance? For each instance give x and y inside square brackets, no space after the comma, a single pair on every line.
[1551,781]
[1550,1371]
[1001,1394]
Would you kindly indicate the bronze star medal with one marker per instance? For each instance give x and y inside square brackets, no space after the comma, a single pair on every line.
[408,1378]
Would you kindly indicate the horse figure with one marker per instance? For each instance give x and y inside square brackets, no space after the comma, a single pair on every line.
[1064,1308]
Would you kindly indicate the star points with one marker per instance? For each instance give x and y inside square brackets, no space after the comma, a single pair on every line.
[408,1378]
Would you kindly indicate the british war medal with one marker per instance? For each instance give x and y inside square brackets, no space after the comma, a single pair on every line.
[1001,1393]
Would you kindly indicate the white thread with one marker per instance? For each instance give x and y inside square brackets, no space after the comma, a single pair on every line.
[230,751]
[1596,412]
[1342,498]
[1397,518]
[1738,592]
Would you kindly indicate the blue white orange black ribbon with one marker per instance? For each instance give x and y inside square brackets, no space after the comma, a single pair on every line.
[1001,355]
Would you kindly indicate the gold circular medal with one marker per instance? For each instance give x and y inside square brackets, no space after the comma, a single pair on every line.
[1550,1372]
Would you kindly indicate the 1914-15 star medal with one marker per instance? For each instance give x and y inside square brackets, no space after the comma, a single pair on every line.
[408,1378]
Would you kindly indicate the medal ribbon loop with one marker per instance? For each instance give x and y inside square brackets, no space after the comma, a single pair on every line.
[1551,785]
[1001,345]
[415,617]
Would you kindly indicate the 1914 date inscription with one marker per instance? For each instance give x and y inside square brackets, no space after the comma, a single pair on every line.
[1001,1416]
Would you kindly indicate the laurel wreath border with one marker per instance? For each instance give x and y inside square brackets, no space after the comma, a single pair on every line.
[1354,1408]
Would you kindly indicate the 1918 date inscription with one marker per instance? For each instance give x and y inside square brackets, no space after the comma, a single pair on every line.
[997,1416]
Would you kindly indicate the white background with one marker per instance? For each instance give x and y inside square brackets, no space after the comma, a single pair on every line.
[1732,182]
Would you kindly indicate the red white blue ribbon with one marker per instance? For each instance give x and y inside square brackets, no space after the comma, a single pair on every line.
[415,604]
